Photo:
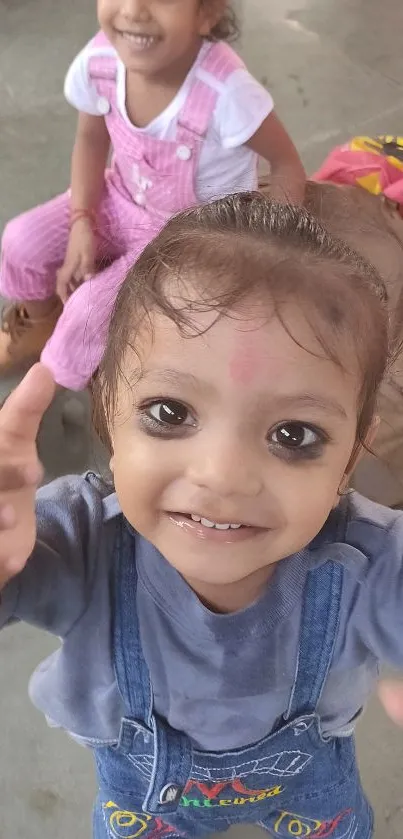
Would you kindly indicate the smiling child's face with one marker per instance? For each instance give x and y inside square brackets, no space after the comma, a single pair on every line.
[230,446]
[153,36]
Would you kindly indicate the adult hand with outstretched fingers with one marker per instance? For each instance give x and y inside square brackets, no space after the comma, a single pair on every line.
[391,696]
[20,469]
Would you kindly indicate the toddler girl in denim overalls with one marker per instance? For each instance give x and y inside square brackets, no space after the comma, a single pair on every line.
[224,608]
[186,123]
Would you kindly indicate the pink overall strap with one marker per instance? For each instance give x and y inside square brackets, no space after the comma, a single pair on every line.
[102,68]
[220,61]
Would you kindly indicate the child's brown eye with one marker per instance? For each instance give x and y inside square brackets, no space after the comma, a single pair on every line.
[169,412]
[296,441]
[295,435]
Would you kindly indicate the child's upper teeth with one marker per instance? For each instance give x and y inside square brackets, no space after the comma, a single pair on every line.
[144,39]
[208,523]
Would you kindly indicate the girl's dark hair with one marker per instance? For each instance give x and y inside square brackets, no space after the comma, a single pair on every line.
[246,244]
[227,28]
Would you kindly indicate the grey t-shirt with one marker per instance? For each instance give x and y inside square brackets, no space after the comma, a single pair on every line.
[223,679]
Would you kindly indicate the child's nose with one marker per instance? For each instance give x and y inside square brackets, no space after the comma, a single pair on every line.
[136,10]
[226,468]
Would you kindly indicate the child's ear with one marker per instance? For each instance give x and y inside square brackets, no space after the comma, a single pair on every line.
[211,12]
[360,449]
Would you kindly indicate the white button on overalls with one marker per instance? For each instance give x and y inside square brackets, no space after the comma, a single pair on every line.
[103,106]
[140,199]
[184,152]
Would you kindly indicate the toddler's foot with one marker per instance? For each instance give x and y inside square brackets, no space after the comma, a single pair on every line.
[22,338]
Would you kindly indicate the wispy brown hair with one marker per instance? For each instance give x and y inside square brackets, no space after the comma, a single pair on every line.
[212,258]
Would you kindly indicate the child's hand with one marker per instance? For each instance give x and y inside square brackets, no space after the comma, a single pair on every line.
[20,470]
[391,696]
[79,262]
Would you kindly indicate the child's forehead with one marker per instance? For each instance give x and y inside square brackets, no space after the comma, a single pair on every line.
[243,369]
[246,347]
[246,359]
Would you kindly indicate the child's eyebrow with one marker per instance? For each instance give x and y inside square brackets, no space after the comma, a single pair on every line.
[312,400]
[170,377]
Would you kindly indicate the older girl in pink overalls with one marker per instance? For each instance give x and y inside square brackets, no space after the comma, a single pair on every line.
[186,123]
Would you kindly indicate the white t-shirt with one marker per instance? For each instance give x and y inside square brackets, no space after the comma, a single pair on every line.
[226,164]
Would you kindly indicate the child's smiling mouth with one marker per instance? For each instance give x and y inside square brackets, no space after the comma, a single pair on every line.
[139,41]
[204,528]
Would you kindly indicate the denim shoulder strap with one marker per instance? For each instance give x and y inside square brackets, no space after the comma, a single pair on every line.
[319,627]
[131,669]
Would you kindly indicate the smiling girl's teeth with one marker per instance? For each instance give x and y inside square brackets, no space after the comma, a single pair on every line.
[208,523]
[142,41]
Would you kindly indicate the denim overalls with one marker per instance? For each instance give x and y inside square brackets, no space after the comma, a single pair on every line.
[153,783]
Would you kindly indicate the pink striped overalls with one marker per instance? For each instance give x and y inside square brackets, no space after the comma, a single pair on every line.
[150,180]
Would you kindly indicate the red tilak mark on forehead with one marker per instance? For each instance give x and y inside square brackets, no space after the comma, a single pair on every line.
[244,364]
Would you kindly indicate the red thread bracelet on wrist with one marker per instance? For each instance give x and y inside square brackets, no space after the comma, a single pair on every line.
[78,214]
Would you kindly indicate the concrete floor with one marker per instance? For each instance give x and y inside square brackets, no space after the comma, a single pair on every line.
[334,67]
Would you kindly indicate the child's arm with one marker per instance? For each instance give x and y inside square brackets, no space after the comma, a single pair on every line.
[90,154]
[287,178]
